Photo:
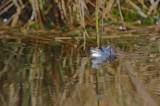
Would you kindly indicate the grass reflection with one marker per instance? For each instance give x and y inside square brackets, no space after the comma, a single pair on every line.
[62,75]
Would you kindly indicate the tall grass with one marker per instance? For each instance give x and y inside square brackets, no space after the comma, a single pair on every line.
[65,12]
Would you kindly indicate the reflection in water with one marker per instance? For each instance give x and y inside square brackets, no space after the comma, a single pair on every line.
[59,74]
[96,62]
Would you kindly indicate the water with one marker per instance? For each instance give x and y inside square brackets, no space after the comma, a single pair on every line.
[34,73]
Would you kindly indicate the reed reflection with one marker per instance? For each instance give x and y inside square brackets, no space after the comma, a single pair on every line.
[60,74]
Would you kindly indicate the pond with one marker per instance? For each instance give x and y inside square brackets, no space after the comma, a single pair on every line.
[60,73]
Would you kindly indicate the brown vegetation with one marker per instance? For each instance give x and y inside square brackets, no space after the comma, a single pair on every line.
[73,13]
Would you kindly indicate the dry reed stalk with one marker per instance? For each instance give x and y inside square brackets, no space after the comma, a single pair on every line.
[34,11]
[17,14]
[101,33]
[64,9]
[57,19]
[39,13]
[153,7]
[104,37]
[137,8]
[100,3]
[21,3]
[156,8]
[152,2]
[108,8]
[120,12]
[143,5]
[82,16]
[6,9]
[63,17]
[5,4]
[71,18]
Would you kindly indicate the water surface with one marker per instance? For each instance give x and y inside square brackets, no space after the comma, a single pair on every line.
[34,73]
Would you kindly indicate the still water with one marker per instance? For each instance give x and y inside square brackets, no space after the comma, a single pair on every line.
[36,73]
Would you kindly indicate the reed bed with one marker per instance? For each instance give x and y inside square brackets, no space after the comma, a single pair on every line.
[73,13]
